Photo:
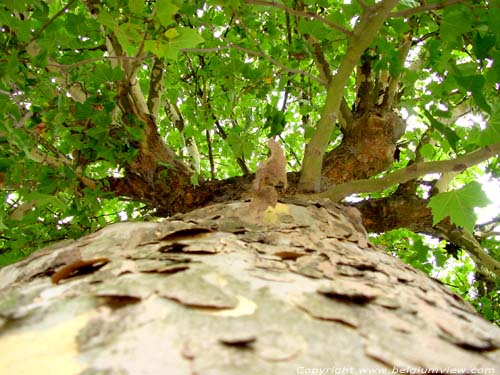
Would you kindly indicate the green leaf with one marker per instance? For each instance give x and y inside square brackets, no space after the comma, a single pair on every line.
[475,83]
[235,141]
[454,23]
[459,205]
[165,12]
[194,179]
[275,121]
[169,49]
[128,35]
[136,133]
[102,73]
[2,225]
[446,131]
[483,45]
[106,19]
[427,151]
[491,134]
[171,33]
[136,6]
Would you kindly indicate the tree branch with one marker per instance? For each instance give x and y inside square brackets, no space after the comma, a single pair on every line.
[96,59]
[301,13]
[320,60]
[54,17]
[469,243]
[413,171]
[364,33]
[363,4]
[155,87]
[426,7]
[259,54]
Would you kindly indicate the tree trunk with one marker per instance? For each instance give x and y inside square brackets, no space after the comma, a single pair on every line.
[296,290]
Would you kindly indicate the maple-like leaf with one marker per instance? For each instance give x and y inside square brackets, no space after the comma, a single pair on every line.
[165,12]
[459,205]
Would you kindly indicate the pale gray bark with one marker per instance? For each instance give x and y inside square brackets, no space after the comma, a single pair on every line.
[218,291]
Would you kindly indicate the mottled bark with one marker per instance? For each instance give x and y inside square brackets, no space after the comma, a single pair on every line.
[219,291]
[367,148]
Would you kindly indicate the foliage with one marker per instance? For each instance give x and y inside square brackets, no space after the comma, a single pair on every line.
[236,73]
[447,263]
[459,205]
[414,249]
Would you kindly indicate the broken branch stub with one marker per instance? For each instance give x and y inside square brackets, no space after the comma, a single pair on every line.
[270,174]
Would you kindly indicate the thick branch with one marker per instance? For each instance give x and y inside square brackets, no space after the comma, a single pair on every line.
[364,33]
[156,87]
[411,212]
[414,171]
[40,157]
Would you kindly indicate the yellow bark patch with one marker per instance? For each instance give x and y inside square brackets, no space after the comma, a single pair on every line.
[271,215]
[244,307]
[51,351]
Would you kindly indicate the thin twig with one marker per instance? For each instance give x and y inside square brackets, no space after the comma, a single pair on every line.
[259,54]
[424,8]
[54,17]
[210,154]
[301,13]
[95,59]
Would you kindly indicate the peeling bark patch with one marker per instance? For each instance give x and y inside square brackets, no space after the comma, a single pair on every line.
[161,267]
[270,264]
[130,285]
[239,339]
[186,234]
[361,266]
[388,302]
[208,243]
[118,302]
[101,330]
[321,307]
[46,261]
[78,268]
[460,332]
[18,303]
[355,291]
[404,352]
[245,307]
[289,255]
[309,266]
[192,289]
[278,346]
